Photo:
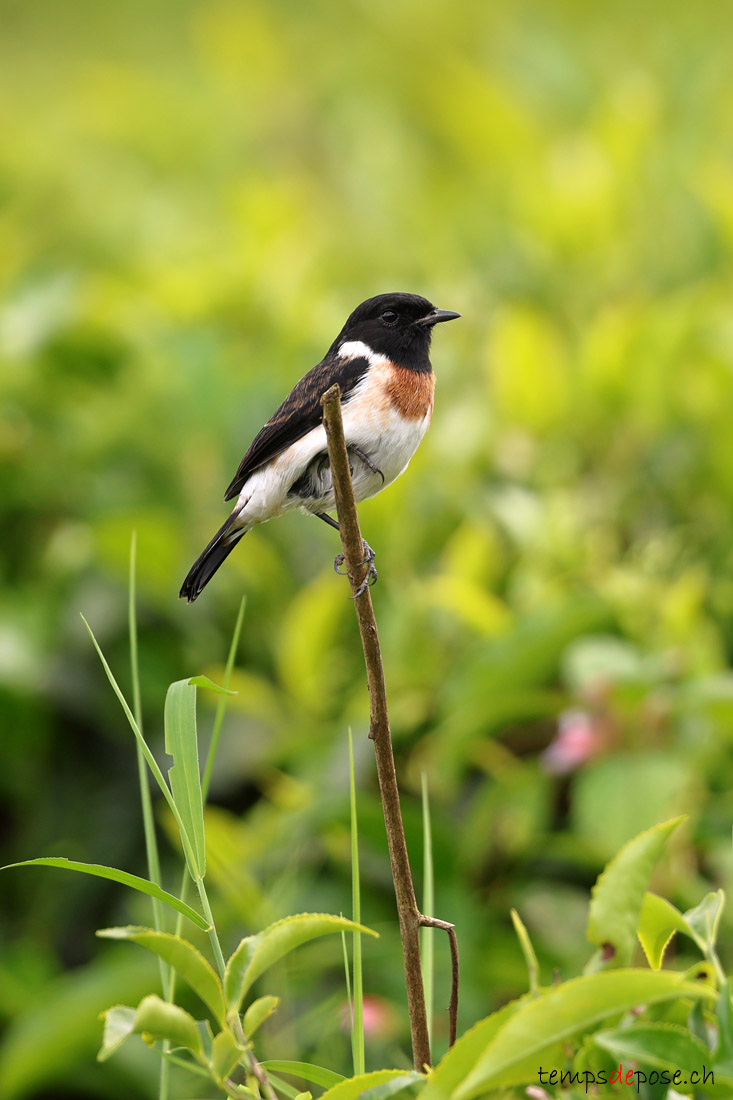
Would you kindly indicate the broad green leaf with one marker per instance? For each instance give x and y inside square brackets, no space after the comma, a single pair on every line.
[658,922]
[181,743]
[409,1084]
[259,1011]
[225,1054]
[661,1046]
[354,1088]
[237,966]
[256,954]
[463,1055]
[618,895]
[206,1036]
[119,1022]
[317,1075]
[704,920]
[157,1019]
[125,879]
[511,1058]
[183,957]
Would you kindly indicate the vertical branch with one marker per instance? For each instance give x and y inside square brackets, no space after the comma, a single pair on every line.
[379,731]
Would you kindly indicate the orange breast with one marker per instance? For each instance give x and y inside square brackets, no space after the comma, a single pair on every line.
[410,392]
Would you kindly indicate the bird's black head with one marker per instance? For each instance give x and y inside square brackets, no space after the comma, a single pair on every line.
[398,326]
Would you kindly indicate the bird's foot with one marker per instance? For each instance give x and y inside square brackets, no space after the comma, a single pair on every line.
[371,574]
[367,461]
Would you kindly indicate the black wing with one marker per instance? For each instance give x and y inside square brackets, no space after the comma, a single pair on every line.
[299,413]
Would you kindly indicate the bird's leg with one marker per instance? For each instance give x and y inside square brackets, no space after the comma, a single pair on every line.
[369,556]
[327,519]
[367,461]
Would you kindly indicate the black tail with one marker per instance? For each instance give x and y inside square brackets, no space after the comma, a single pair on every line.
[208,562]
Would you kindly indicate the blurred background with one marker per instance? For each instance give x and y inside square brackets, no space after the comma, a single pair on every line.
[195,193]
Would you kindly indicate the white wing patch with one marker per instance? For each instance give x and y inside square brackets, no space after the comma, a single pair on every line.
[357,349]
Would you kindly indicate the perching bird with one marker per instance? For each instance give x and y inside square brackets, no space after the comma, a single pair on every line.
[381,361]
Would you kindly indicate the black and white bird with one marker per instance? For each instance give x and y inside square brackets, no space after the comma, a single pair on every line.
[381,361]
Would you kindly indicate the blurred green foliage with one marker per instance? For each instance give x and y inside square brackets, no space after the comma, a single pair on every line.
[195,193]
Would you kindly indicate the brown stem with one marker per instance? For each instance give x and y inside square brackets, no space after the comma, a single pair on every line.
[353,546]
[411,919]
[433,922]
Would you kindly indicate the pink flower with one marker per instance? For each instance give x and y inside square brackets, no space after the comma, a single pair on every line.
[578,739]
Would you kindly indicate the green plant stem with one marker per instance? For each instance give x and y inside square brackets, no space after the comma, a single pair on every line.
[206,780]
[379,731]
[428,904]
[151,842]
[219,718]
[213,935]
[357,1022]
[146,801]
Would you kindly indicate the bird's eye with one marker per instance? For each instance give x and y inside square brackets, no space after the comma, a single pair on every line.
[389,317]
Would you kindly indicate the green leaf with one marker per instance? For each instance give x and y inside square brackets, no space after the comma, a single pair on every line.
[353,1088]
[183,957]
[463,1055]
[618,895]
[119,1022]
[259,1011]
[183,775]
[409,1084]
[661,1046]
[145,750]
[317,1075]
[205,682]
[157,1019]
[225,1054]
[511,1058]
[704,920]
[658,922]
[533,967]
[125,879]
[256,954]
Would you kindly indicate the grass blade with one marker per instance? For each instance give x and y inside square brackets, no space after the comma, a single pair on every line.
[533,967]
[151,843]
[222,704]
[347,977]
[149,758]
[123,877]
[181,742]
[357,1019]
[317,1075]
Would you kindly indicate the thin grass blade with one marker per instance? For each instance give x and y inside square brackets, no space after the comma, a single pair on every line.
[357,1019]
[125,879]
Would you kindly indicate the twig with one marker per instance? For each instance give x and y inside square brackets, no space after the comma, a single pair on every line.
[353,546]
[433,922]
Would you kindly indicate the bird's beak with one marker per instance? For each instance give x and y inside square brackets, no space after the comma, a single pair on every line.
[436,316]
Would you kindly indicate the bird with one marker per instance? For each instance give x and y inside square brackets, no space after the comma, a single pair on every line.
[381,361]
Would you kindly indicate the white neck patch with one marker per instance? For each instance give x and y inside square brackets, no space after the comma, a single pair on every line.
[357,349]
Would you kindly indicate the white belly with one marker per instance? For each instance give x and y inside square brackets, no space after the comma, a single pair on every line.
[388,440]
